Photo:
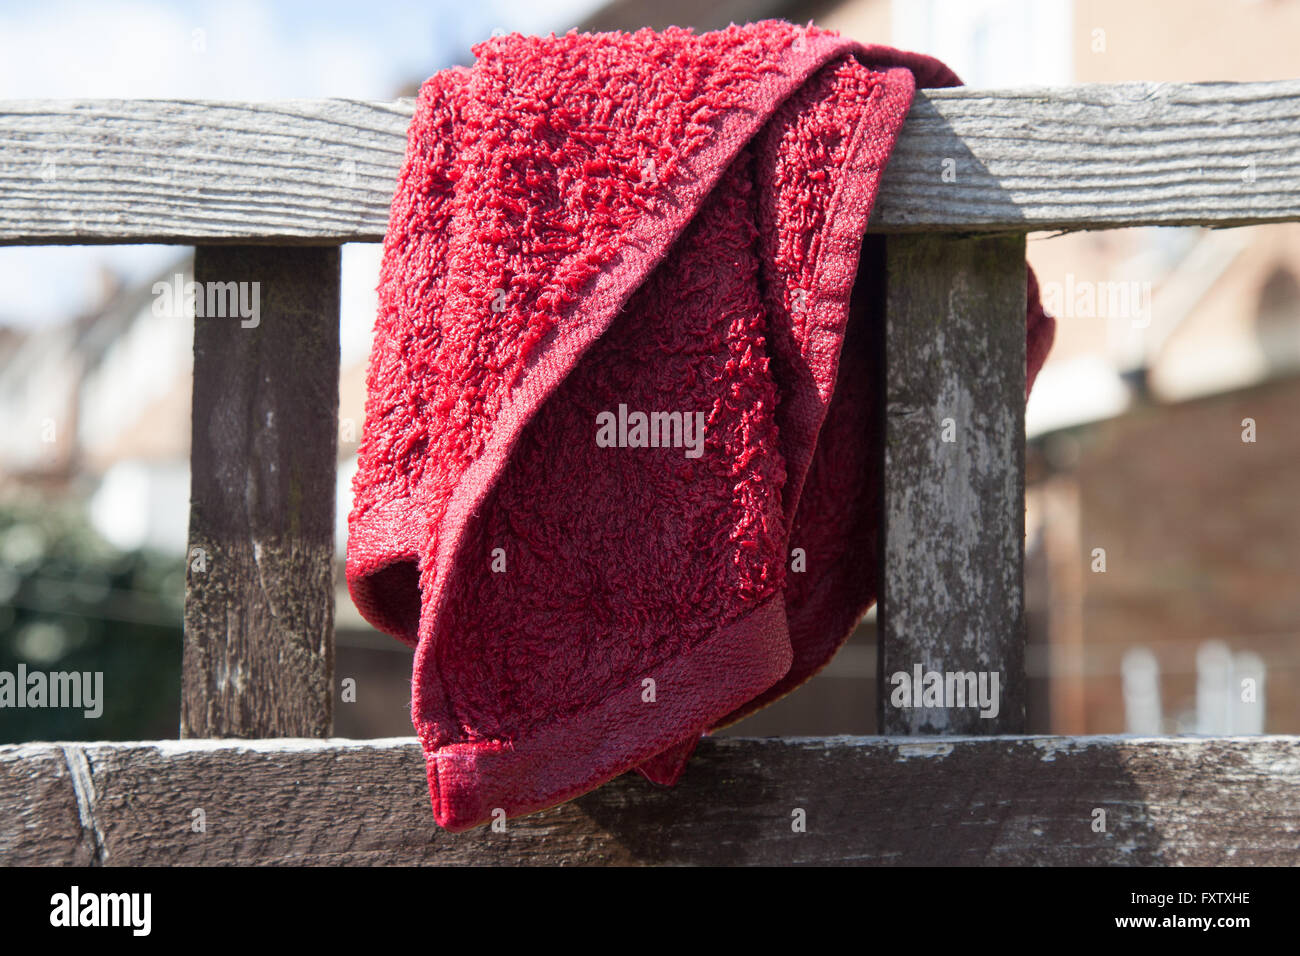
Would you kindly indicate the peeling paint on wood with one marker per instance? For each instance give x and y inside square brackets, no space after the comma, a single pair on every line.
[952,597]
[259,615]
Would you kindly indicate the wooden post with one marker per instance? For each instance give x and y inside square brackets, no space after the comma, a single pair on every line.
[259,601]
[952,595]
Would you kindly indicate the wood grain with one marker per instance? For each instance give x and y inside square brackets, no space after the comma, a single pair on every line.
[1097,156]
[957,800]
[953,524]
[259,602]
[324,171]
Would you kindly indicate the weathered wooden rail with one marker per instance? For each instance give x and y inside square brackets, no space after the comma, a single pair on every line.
[959,800]
[267,192]
[322,171]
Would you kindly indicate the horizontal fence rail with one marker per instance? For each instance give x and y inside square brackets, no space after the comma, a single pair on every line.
[947,800]
[322,171]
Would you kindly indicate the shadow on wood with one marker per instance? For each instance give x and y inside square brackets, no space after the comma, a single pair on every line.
[865,800]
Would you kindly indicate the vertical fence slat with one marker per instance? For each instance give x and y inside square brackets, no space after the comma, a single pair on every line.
[952,595]
[259,602]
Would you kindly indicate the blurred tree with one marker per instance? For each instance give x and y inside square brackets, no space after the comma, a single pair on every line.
[69,601]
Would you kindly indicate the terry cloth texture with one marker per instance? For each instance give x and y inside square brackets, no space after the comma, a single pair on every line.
[614,383]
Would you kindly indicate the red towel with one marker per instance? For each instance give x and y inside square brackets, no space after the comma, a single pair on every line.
[603,400]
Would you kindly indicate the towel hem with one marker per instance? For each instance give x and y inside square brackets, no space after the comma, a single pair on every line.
[383,536]
[469,782]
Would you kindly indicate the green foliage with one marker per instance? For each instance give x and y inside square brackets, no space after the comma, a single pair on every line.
[69,601]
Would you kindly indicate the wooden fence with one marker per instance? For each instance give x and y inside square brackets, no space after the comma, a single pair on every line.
[267,192]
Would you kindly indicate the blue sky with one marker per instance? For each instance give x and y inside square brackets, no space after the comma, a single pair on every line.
[233,49]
